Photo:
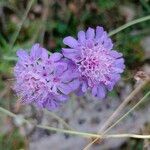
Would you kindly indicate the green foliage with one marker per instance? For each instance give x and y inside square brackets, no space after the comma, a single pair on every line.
[136,144]
[130,46]
[12,141]
[65,19]
[107,4]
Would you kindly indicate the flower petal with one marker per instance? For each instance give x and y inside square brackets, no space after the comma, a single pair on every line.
[114,78]
[62,98]
[94,91]
[79,92]
[99,32]
[68,88]
[60,68]
[118,61]
[103,38]
[36,51]
[84,87]
[115,54]
[108,44]
[73,56]
[74,85]
[101,92]
[23,55]
[70,41]
[69,75]
[117,70]
[56,56]
[64,88]
[90,34]
[69,50]
[51,104]
[81,36]
[44,54]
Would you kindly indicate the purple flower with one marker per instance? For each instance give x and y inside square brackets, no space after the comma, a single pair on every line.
[99,66]
[42,79]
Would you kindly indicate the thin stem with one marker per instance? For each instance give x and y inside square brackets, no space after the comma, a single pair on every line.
[126,114]
[59,119]
[129,24]
[110,33]
[52,114]
[45,15]
[137,136]
[87,135]
[5,111]
[42,27]
[10,58]
[103,134]
[21,23]
[82,134]
[118,110]
[122,106]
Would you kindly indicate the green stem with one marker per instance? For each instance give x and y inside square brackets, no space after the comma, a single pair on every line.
[10,58]
[129,24]
[122,106]
[137,136]
[21,23]
[82,134]
[110,33]
[59,119]
[127,113]
[5,111]
[104,133]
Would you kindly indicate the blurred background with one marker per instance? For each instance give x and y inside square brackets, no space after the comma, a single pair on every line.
[24,22]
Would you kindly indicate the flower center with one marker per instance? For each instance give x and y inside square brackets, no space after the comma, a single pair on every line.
[96,64]
[56,79]
[34,83]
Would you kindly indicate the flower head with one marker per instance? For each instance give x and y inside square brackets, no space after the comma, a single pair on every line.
[42,79]
[99,66]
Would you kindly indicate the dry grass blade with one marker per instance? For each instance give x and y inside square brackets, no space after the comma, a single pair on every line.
[103,130]
[21,23]
[77,133]
[66,125]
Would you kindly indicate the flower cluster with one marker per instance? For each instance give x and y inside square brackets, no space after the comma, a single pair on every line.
[88,64]
[42,79]
[98,64]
